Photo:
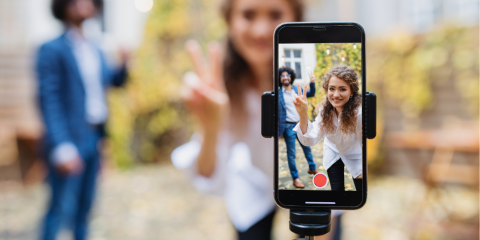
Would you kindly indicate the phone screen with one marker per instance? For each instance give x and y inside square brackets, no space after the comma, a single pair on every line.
[320,143]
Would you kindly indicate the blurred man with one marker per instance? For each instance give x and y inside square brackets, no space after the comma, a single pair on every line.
[288,119]
[72,78]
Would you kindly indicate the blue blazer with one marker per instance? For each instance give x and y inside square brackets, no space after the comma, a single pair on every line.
[61,95]
[282,109]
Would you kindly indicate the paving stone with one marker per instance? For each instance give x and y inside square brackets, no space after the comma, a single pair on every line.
[158,202]
[285,177]
[143,203]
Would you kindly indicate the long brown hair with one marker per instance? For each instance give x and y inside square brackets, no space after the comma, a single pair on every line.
[349,112]
[235,69]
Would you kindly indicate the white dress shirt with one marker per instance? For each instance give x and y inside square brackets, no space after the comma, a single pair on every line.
[89,64]
[87,57]
[292,114]
[243,172]
[336,145]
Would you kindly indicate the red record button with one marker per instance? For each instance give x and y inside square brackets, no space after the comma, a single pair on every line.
[320,180]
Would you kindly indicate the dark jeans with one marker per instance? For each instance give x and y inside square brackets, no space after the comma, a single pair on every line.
[289,135]
[71,197]
[262,230]
[337,178]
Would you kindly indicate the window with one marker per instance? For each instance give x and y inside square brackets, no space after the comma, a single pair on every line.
[293,59]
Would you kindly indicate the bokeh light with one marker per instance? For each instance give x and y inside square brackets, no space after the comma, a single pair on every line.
[144,5]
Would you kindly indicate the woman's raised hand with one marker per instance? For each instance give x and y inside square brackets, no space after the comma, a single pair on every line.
[300,101]
[204,91]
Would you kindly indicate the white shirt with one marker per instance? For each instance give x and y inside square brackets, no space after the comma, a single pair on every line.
[292,114]
[336,145]
[89,65]
[87,57]
[243,172]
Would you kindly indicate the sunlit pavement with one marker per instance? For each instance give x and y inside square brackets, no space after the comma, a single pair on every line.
[402,208]
[148,202]
[302,167]
[158,202]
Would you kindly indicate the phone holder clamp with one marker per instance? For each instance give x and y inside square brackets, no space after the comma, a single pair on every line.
[269,124]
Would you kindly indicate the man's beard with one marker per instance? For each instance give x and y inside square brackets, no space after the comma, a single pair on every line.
[285,83]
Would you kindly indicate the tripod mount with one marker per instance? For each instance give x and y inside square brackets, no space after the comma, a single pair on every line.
[310,223]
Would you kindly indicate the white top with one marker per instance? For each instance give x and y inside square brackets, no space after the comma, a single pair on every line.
[89,64]
[336,145]
[88,61]
[292,114]
[243,172]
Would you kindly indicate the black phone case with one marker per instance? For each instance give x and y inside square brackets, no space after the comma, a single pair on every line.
[317,27]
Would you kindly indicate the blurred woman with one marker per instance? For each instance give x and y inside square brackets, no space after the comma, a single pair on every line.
[340,121]
[229,156]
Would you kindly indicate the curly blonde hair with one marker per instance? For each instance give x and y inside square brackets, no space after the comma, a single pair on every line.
[349,112]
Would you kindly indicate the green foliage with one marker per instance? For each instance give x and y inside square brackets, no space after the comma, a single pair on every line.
[147,117]
[404,66]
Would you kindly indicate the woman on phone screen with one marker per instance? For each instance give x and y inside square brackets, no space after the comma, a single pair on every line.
[228,156]
[339,120]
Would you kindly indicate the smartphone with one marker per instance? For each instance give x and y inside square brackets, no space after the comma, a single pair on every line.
[321,164]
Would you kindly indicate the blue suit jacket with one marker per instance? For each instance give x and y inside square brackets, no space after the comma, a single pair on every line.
[282,109]
[61,95]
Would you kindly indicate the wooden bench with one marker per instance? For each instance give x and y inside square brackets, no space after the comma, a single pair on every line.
[454,136]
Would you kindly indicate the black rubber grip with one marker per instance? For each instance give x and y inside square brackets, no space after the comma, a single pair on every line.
[370,115]
[268,118]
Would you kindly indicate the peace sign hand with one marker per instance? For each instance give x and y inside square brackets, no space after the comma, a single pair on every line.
[204,92]
[300,101]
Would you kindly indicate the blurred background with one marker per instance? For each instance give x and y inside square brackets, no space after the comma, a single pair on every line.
[422,62]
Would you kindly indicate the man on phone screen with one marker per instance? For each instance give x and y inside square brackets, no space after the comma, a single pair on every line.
[288,119]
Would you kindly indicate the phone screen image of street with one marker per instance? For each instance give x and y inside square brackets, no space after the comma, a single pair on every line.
[285,180]
[326,79]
